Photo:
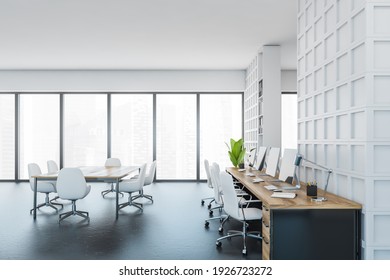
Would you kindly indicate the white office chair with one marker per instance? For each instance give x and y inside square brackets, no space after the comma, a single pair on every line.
[149,178]
[209,184]
[235,209]
[215,180]
[216,183]
[131,186]
[52,166]
[45,187]
[71,185]
[111,162]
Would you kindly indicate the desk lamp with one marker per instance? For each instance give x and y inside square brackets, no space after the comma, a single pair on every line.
[298,159]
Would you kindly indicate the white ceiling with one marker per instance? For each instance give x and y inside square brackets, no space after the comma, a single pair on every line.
[143,34]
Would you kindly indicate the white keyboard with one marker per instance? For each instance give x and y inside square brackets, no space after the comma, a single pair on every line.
[250,174]
[284,195]
[241,170]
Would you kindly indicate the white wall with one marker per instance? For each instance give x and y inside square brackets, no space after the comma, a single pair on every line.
[344,106]
[129,81]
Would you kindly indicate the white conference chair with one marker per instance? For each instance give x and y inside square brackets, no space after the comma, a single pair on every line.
[111,162]
[52,166]
[71,185]
[209,184]
[149,178]
[235,210]
[45,187]
[131,186]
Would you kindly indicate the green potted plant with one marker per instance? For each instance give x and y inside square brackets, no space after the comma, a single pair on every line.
[237,152]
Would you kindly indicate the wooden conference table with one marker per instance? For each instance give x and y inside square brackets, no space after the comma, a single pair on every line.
[91,174]
[299,228]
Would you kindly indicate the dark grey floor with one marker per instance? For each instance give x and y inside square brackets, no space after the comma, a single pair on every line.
[171,228]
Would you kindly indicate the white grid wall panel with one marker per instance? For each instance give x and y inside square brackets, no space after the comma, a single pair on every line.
[344,105]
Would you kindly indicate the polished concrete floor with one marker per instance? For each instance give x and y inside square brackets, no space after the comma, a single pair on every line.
[171,228]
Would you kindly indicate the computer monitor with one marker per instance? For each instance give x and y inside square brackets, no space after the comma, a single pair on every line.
[287,166]
[252,157]
[273,161]
[260,158]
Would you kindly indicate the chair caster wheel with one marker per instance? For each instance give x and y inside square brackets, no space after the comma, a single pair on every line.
[202,202]
[209,206]
[210,213]
[220,229]
[206,224]
[218,244]
[244,252]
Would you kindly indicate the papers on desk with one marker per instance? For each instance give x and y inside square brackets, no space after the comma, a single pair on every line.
[258,180]
[250,174]
[241,170]
[283,195]
[271,187]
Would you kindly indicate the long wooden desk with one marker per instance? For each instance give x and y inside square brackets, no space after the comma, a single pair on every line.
[91,174]
[300,228]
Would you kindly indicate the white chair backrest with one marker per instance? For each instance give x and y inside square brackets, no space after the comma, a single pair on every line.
[287,166]
[52,166]
[71,183]
[260,158]
[33,169]
[207,169]
[112,162]
[216,182]
[230,200]
[141,177]
[273,161]
[152,171]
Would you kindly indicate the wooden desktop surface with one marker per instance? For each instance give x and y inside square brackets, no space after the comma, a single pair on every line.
[301,201]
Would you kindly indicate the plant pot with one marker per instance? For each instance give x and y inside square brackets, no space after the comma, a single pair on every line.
[311,190]
[241,166]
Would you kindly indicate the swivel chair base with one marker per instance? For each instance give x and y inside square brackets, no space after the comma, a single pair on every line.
[48,203]
[244,234]
[74,211]
[110,190]
[131,202]
[206,198]
[142,195]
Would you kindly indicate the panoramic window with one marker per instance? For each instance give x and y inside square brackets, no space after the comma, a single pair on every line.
[220,120]
[39,131]
[176,136]
[132,128]
[289,121]
[7,136]
[85,129]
